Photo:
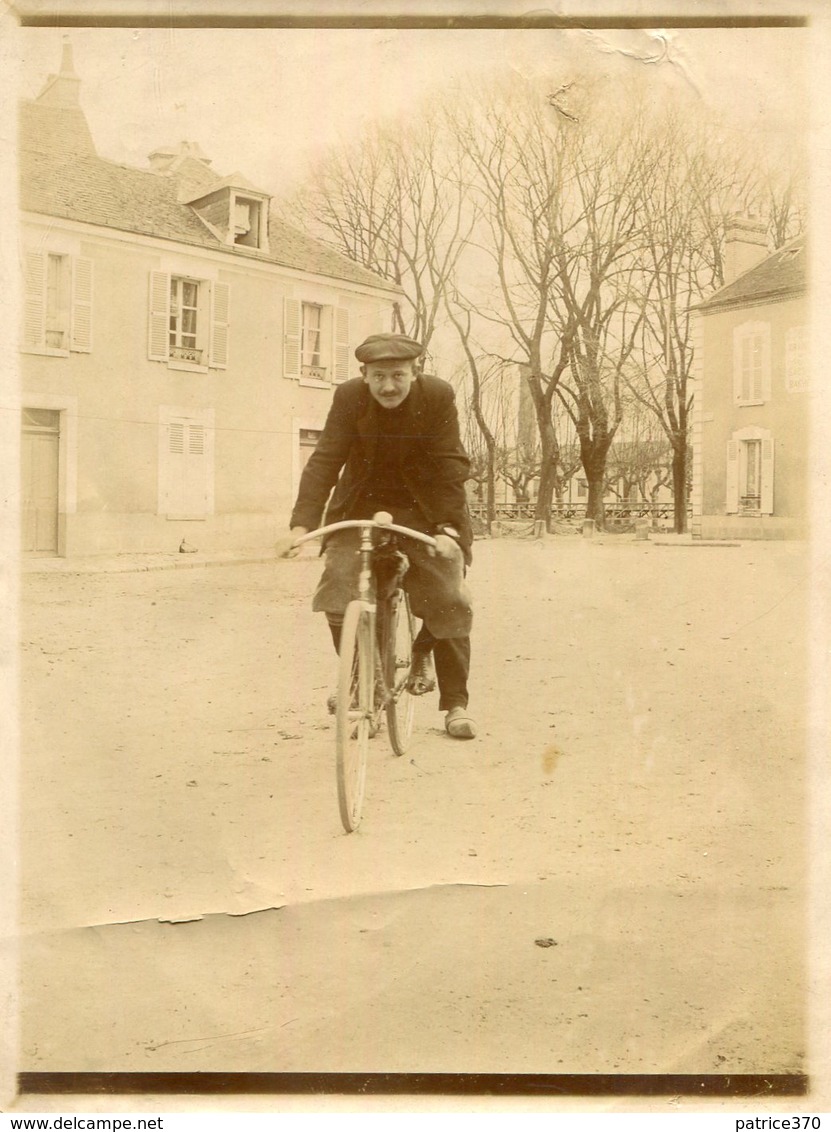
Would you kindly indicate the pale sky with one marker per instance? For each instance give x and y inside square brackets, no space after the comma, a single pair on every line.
[263,102]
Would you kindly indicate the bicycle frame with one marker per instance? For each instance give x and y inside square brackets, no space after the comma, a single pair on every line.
[367,596]
[361,668]
[366,577]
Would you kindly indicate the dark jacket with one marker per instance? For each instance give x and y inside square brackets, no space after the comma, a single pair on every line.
[434,465]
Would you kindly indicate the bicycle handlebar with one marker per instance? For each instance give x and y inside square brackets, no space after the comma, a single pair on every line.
[381,521]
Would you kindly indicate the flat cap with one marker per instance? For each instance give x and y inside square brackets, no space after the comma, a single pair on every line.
[388,347]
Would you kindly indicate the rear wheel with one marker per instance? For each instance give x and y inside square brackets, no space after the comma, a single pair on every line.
[353,715]
[398,629]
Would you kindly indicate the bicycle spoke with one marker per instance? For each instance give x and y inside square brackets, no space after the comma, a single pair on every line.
[353,717]
[399,630]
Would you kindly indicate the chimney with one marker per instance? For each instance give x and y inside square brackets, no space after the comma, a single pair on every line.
[164,159]
[745,245]
[62,89]
[193,149]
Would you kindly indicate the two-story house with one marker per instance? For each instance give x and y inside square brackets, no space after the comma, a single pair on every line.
[179,344]
[751,426]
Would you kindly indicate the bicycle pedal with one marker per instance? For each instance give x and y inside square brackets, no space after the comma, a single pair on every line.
[418,687]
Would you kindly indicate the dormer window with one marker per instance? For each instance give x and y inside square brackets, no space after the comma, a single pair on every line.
[234,211]
[242,219]
[248,229]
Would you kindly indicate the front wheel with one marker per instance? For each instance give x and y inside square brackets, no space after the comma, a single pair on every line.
[398,632]
[353,715]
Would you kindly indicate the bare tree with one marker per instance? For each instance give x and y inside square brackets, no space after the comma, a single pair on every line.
[598,302]
[519,465]
[394,203]
[481,462]
[583,220]
[701,173]
[560,195]
[640,465]
[518,459]
[769,179]
[517,176]
[485,441]
[682,206]
[570,462]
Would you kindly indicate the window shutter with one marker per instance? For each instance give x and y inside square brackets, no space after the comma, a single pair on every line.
[80,337]
[732,502]
[764,391]
[341,349]
[766,505]
[739,355]
[751,362]
[220,308]
[159,324]
[753,380]
[169,464]
[291,338]
[796,362]
[34,313]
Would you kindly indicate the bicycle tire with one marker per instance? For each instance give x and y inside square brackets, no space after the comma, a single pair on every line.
[353,714]
[398,628]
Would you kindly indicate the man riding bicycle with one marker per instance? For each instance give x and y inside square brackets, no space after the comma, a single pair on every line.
[391,443]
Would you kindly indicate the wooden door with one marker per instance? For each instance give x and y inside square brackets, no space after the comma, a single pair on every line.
[39,480]
[187,476]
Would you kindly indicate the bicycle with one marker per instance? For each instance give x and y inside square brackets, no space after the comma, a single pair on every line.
[375,656]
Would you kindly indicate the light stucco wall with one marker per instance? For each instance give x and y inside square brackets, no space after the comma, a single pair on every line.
[118,394]
[786,415]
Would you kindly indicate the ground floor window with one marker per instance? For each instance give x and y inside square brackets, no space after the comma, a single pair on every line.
[750,475]
[307,442]
[750,472]
[306,432]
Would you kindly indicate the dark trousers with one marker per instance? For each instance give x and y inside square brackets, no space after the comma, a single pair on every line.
[452,660]
[451,657]
[438,595]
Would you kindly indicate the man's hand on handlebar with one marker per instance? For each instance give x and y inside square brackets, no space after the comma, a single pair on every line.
[284,546]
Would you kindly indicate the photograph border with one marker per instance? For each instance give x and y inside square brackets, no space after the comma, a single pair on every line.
[759,1088]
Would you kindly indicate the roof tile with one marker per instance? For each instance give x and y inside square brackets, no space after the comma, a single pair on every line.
[61,175]
[778,274]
